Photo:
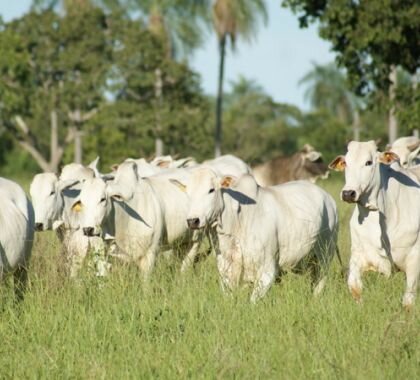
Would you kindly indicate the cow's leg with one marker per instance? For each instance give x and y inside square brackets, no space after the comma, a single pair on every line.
[264,283]
[412,279]
[354,280]
[147,262]
[189,259]
[20,280]
[229,264]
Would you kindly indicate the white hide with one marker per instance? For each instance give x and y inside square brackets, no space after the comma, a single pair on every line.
[385,225]
[140,213]
[16,232]
[260,231]
[407,149]
[228,164]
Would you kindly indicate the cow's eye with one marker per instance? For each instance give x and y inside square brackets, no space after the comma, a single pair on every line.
[52,193]
[211,191]
[369,163]
[102,200]
[405,163]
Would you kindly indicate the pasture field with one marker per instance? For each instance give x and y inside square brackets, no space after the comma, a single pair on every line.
[182,326]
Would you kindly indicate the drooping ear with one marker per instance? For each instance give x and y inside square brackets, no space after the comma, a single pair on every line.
[136,173]
[313,156]
[413,147]
[388,157]
[77,206]
[108,177]
[66,184]
[227,181]
[178,184]
[163,164]
[115,194]
[338,164]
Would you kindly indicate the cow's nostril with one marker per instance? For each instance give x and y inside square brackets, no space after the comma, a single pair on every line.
[349,195]
[193,223]
[88,231]
[39,226]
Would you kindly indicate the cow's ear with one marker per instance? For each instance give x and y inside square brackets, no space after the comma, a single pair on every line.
[77,206]
[413,147]
[66,184]
[313,156]
[388,157]
[338,164]
[163,164]
[114,167]
[227,181]
[178,184]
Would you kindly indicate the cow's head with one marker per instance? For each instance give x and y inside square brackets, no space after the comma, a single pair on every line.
[205,193]
[47,197]
[92,206]
[361,166]
[125,183]
[407,149]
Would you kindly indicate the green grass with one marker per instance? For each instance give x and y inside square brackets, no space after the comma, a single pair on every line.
[182,326]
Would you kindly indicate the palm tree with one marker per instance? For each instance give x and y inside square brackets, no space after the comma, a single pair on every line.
[233,18]
[327,88]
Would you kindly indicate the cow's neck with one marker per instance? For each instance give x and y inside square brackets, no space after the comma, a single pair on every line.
[378,198]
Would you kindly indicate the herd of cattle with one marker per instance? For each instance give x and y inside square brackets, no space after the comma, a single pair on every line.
[257,227]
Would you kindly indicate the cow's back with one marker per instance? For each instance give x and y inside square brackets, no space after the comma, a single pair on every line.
[16,226]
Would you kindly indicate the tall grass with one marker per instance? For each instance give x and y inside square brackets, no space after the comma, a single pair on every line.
[182,326]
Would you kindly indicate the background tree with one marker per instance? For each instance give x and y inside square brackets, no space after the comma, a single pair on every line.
[51,73]
[327,88]
[232,18]
[252,115]
[370,39]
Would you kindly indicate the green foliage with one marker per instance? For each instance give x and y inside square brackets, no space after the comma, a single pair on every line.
[100,73]
[368,36]
[252,116]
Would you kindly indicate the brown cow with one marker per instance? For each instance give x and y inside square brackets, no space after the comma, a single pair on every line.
[306,164]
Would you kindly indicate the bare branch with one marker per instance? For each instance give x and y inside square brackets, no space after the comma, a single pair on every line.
[22,125]
[45,166]
[77,117]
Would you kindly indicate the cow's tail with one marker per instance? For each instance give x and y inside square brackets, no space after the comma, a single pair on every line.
[343,268]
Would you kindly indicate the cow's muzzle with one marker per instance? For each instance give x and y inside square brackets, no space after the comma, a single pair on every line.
[349,196]
[193,223]
[39,226]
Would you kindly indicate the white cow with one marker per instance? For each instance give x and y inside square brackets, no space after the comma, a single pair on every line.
[228,164]
[49,196]
[16,233]
[140,213]
[260,231]
[407,149]
[170,163]
[52,198]
[385,226]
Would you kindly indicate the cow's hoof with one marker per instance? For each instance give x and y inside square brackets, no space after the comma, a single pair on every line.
[356,293]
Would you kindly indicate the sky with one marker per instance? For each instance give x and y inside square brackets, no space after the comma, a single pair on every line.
[277,59]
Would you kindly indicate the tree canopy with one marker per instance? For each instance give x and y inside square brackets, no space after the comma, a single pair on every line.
[369,36]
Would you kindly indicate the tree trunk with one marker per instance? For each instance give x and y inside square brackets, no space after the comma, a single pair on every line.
[392,119]
[78,135]
[219,104]
[356,125]
[158,107]
[56,152]
[78,147]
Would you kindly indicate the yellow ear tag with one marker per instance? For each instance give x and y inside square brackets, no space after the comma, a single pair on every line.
[77,207]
